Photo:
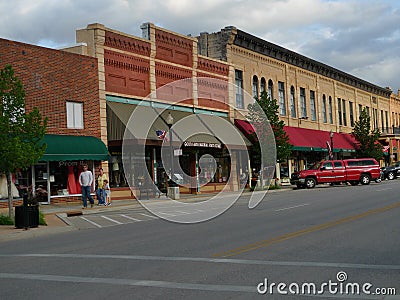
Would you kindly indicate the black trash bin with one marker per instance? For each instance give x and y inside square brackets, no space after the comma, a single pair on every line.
[27,216]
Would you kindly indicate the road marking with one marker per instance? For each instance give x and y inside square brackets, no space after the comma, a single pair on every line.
[150,216]
[91,222]
[112,220]
[265,243]
[130,218]
[286,208]
[311,264]
[380,190]
[133,282]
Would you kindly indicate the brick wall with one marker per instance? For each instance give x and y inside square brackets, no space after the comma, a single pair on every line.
[52,77]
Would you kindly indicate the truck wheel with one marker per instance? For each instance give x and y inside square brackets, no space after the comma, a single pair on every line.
[365,179]
[310,183]
[390,176]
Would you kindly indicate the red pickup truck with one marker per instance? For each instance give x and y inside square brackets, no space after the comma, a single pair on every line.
[361,170]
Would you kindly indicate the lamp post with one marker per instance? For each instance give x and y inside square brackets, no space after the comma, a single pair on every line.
[170,122]
[331,136]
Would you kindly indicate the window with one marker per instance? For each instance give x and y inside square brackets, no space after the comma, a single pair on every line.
[344,113]
[255,86]
[359,110]
[328,165]
[339,107]
[376,118]
[330,110]
[263,85]
[387,120]
[239,88]
[292,103]
[282,105]
[367,109]
[312,106]
[382,122]
[324,108]
[338,165]
[75,115]
[303,107]
[351,114]
[270,89]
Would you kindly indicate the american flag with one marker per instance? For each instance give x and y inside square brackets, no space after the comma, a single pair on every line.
[162,134]
[329,149]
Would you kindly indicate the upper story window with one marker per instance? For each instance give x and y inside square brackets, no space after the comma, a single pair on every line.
[382,122]
[312,106]
[359,110]
[330,110]
[263,85]
[255,86]
[303,107]
[344,112]
[324,108]
[239,89]
[270,89]
[292,102]
[74,115]
[351,113]
[282,105]
[339,109]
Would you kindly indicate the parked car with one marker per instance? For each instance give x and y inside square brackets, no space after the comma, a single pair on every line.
[391,172]
[354,171]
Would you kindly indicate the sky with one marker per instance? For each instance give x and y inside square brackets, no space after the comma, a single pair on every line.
[359,37]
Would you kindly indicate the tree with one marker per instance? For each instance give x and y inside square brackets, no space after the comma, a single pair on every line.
[20,132]
[367,139]
[271,110]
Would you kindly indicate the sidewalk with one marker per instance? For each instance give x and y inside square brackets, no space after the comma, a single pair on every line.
[56,214]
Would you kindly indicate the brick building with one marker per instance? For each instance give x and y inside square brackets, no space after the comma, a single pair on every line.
[65,88]
[315,100]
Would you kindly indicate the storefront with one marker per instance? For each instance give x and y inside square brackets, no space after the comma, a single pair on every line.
[55,178]
[190,150]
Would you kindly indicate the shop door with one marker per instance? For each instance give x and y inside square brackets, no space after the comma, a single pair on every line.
[41,182]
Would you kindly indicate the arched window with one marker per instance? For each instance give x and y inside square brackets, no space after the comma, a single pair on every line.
[324,108]
[292,102]
[255,86]
[263,85]
[270,89]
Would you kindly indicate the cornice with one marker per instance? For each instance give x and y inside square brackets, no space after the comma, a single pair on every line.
[250,42]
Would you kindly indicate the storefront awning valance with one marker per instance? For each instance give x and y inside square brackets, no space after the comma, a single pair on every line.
[69,147]
[304,139]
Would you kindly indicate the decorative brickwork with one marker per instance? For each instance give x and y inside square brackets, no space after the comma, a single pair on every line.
[53,77]
[174,48]
[126,74]
[211,66]
[118,41]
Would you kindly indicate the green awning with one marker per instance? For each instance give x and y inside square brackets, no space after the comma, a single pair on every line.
[70,147]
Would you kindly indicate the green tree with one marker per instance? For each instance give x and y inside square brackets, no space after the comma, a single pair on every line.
[20,132]
[367,139]
[271,111]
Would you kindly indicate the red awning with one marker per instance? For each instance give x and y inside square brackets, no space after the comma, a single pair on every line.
[315,140]
[245,127]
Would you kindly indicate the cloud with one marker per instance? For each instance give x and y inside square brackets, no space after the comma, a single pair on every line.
[360,37]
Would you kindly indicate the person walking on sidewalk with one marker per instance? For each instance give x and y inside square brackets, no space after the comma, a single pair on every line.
[101,193]
[108,192]
[86,180]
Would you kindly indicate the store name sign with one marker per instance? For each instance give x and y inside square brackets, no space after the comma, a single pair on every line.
[70,163]
[202,144]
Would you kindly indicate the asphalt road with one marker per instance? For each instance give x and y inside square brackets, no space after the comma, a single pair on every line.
[321,241]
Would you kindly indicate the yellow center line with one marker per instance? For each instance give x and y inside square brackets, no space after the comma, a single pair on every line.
[290,235]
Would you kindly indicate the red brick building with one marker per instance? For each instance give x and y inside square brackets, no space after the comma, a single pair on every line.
[65,88]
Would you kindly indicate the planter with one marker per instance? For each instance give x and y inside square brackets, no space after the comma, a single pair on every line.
[27,216]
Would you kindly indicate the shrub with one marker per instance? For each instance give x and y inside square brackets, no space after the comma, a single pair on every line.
[6,220]
[42,221]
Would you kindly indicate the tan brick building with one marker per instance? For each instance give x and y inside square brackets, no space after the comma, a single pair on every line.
[311,95]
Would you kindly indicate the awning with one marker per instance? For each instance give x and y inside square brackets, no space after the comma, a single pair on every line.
[70,147]
[304,139]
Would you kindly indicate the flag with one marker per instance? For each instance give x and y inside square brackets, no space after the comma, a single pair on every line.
[329,149]
[162,134]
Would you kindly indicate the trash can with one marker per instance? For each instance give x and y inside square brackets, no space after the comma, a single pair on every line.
[27,216]
[173,192]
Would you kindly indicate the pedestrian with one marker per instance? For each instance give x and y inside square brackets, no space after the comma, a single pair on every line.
[86,181]
[101,195]
[107,190]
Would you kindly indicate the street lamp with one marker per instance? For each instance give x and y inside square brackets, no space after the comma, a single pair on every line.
[331,136]
[170,122]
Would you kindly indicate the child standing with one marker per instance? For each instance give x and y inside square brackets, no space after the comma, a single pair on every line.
[106,188]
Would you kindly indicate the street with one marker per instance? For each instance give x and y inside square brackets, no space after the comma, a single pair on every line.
[327,237]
